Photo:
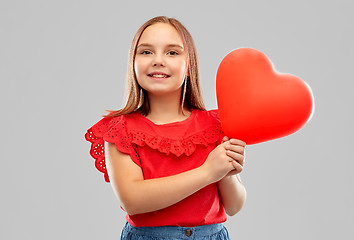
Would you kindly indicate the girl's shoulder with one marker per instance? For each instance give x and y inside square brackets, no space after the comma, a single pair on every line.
[206,118]
[112,130]
[209,114]
[107,123]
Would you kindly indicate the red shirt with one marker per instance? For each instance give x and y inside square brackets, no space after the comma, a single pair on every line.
[165,150]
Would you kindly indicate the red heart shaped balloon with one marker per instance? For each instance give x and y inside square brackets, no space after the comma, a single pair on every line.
[255,102]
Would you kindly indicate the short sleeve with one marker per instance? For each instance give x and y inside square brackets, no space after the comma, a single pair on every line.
[113,130]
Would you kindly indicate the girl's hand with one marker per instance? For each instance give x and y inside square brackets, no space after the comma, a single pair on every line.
[236,149]
[225,159]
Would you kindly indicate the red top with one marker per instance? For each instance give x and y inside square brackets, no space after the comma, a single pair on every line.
[165,150]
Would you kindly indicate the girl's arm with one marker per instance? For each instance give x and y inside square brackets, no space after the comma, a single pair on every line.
[140,196]
[232,194]
[231,190]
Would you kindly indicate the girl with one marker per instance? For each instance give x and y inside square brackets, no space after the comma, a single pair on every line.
[169,164]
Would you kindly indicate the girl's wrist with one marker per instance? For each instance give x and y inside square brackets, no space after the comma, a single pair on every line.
[205,174]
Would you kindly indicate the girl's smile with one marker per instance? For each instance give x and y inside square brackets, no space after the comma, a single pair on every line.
[158,75]
[160,60]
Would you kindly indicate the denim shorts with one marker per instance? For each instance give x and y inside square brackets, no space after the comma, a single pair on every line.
[203,232]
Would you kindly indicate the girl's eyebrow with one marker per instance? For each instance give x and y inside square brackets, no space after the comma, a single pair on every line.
[169,45]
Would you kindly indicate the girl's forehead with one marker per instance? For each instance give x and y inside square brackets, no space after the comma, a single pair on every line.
[161,33]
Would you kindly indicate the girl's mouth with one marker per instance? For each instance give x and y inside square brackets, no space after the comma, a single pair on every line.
[158,76]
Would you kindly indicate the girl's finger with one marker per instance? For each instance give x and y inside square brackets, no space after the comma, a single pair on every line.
[236,148]
[237,142]
[233,172]
[235,156]
[225,138]
[238,167]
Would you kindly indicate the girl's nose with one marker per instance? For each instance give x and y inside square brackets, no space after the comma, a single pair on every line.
[158,61]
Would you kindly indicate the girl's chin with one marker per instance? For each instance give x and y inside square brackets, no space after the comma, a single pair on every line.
[159,79]
[163,92]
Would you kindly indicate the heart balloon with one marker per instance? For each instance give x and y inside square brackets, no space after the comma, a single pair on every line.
[255,102]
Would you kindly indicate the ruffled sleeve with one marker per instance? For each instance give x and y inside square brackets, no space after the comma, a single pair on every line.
[113,130]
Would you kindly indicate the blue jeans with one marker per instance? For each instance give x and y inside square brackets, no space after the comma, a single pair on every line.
[204,232]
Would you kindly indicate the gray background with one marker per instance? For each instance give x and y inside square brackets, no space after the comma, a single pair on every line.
[63,62]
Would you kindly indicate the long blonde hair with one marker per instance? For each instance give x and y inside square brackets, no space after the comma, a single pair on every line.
[191,96]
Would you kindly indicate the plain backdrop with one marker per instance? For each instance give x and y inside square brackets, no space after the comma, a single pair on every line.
[62,63]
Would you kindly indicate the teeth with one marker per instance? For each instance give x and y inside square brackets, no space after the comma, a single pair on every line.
[159,75]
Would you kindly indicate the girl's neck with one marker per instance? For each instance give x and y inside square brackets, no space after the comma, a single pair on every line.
[166,108]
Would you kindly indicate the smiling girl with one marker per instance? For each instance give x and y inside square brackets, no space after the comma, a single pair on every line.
[170,165]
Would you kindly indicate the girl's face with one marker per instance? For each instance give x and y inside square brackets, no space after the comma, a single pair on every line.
[160,60]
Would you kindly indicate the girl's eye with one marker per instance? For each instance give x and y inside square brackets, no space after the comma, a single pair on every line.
[145,52]
[172,53]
